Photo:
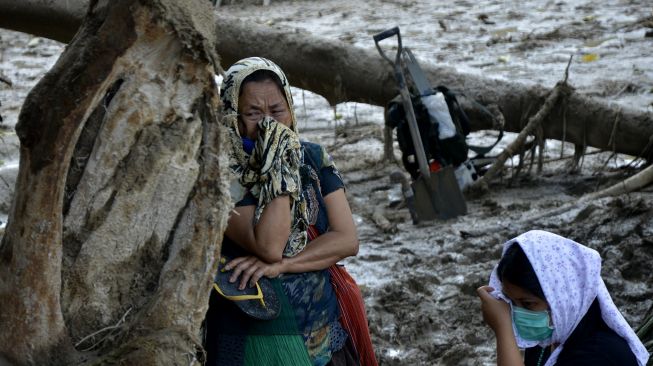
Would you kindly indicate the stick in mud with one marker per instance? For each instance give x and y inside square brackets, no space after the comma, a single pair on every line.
[635,182]
[561,89]
[6,80]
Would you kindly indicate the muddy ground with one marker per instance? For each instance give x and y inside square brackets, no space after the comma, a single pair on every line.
[419,281]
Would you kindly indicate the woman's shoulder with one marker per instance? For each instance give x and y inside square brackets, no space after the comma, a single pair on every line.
[316,155]
[603,347]
[312,148]
[310,145]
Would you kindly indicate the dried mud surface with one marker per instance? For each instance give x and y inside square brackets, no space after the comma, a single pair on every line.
[419,281]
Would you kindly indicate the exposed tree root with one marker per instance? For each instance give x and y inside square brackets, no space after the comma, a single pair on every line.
[637,181]
[560,90]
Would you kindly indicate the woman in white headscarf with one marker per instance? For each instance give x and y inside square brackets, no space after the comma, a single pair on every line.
[546,295]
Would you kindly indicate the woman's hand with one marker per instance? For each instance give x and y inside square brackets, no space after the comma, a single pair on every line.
[496,312]
[251,269]
[341,241]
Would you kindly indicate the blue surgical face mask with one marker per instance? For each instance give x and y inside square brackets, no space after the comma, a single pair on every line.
[248,144]
[532,325]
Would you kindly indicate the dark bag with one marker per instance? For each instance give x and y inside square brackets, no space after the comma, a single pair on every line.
[450,151]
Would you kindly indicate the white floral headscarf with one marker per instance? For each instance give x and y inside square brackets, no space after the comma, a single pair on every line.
[570,276]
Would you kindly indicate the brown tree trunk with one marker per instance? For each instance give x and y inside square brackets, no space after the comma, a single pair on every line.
[341,73]
[56,19]
[121,197]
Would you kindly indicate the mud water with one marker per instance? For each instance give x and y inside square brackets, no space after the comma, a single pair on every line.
[419,281]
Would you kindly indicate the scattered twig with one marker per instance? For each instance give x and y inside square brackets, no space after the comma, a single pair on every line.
[522,152]
[637,181]
[623,90]
[559,90]
[111,327]
[579,153]
[611,141]
[532,156]
[520,165]
[605,163]
[382,222]
[613,133]
[644,152]
[6,80]
[571,156]
[352,139]
[541,146]
[368,178]
[567,69]
[5,182]
[525,153]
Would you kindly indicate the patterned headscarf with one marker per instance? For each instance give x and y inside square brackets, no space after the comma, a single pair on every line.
[570,276]
[273,167]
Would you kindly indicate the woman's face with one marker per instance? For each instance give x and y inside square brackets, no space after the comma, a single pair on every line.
[257,100]
[523,298]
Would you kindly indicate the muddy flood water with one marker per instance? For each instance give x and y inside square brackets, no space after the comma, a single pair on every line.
[419,281]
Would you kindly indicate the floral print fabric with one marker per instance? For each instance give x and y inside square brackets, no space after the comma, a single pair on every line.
[570,276]
[311,294]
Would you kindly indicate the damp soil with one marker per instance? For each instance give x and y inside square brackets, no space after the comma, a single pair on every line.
[419,281]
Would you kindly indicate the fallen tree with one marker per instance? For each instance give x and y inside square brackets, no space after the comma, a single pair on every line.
[121,197]
[120,201]
[341,73]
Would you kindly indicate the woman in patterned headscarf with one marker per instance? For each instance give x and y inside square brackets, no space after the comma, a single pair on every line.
[291,224]
[546,295]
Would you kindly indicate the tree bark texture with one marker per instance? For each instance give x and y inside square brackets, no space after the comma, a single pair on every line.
[121,198]
[342,73]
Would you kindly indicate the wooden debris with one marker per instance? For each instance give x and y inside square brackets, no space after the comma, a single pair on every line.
[382,222]
[6,80]
[561,89]
[637,181]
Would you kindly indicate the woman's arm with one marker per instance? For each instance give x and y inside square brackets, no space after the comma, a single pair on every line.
[268,238]
[496,313]
[339,242]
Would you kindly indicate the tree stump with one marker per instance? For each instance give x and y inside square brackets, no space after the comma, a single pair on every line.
[121,198]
